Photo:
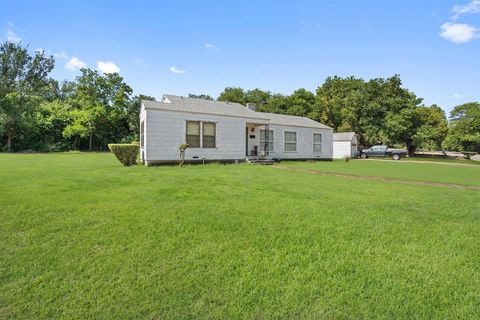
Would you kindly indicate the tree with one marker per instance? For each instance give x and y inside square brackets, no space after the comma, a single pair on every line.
[133,114]
[200,96]
[51,118]
[102,103]
[277,103]
[338,103]
[464,132]
[22,78]
[233,94]
[83,123]
[301,103]
[431,128]
[257,96]
[400,105]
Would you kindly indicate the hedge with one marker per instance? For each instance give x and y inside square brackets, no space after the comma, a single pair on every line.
[125,153]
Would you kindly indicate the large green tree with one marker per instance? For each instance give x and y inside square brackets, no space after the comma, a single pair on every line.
[257,96]
[23,77]
[464,133]
[300,103]
[232,94]
[339,102]
[102,103]
[379,110]
[277,103]
[431,128]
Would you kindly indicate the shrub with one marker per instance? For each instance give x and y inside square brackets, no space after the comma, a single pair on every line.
[347,158]
[125,153]
[182,149]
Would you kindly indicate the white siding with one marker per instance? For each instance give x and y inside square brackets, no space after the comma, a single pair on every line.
[165,131]
[342,149]
[304,143]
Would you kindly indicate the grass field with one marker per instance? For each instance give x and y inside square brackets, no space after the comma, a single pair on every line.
[448,160]
[83,237]
[445,173]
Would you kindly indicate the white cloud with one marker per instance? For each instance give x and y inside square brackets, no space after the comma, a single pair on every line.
[107,67]
[74,63]
[211,46]
[472,7]
[458,32]
[457,95]
[176,71]
[11,35]
[61,55]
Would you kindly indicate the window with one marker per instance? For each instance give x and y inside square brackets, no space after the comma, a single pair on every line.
[317,142]
[207,130]
[379,148]
[268,138]
[290,141]
[193,134]
[142,134]
[208,137]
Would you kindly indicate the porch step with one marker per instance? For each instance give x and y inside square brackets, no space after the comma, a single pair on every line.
[261,161]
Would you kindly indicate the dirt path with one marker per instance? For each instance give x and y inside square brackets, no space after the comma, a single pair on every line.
[426,161]
[375,178]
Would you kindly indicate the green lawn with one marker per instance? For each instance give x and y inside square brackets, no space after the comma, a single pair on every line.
[448,160]
[83,237]
[445,173]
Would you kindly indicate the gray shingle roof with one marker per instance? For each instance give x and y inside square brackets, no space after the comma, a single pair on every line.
[177,103]
[184,104]
[343,136]
[287,120]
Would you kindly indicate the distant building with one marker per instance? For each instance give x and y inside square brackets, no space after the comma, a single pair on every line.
[344,145]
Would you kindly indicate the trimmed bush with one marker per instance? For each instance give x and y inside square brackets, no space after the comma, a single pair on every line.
[125,153]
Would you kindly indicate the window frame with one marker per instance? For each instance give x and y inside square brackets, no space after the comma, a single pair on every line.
[317,143]
[285,142]
[214,135]
[199,133]
[271,140]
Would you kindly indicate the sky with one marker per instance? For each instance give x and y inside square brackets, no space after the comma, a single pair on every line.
[182,47]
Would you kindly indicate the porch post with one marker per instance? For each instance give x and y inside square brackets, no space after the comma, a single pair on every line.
[266,145]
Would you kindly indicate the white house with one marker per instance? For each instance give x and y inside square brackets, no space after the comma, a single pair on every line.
[226,131]
[344,145]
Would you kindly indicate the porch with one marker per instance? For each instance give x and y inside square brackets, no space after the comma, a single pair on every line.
[258,142]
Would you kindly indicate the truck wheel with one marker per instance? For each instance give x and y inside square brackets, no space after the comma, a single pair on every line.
[363,156]
[395,156]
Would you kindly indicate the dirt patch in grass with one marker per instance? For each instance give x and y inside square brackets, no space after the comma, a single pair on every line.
[425,161]
[404,181]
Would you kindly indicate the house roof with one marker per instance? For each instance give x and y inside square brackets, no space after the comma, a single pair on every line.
[223,108]
[287,120]
[343,136]
[195,105]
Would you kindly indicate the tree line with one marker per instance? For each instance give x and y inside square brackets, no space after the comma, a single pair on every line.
[377,110]
[39,113]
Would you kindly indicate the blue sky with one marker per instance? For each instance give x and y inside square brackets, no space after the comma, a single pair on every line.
[182,47]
